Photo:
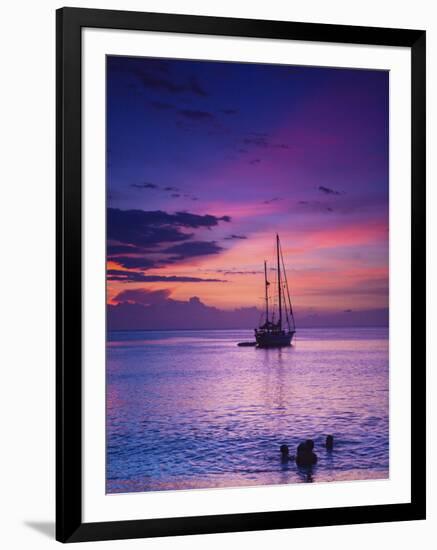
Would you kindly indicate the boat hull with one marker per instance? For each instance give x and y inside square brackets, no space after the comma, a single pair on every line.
[273,339]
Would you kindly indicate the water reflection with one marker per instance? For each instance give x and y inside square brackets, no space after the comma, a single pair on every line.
[190,409]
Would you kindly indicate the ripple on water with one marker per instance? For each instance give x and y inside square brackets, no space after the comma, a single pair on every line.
[190,409]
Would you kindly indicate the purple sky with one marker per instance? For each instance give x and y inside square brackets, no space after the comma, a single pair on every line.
[207,161]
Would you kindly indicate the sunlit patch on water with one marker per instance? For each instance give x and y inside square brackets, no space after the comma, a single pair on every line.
[191,410]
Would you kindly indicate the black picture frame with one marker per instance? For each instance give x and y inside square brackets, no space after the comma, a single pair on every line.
[69,525]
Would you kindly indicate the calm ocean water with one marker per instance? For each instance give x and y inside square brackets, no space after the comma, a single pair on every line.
[190,409]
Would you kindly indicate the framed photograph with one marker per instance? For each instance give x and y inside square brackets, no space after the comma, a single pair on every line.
[240,274]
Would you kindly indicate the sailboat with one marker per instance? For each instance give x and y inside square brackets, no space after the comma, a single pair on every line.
[277,333]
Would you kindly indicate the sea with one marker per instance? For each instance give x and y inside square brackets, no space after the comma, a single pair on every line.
[192,410]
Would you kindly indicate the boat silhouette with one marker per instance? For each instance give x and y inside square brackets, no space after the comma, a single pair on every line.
[278,328]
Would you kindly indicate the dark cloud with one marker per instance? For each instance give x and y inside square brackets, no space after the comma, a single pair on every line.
[138,277]
[230,237]
[269,201]
[196,115]
[160,83]
[155,74]
[135,262]
[145,185]
[316,206]
[144,234]
[143,296]
[196,220]
[143,228]
[328,190]
[193,249]
[229,111]
[169,189]
[261,139]
[192,197]
[176,314]
[158,312]
[141,240]
[255,161]
[113,249]
[174,191]
[197,88]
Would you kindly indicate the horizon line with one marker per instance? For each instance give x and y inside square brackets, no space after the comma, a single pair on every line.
[239,328]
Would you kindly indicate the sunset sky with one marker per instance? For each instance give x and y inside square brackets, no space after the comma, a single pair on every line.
[207,161]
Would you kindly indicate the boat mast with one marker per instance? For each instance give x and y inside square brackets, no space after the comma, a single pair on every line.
[267,291]
[288,293]
[279,282]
